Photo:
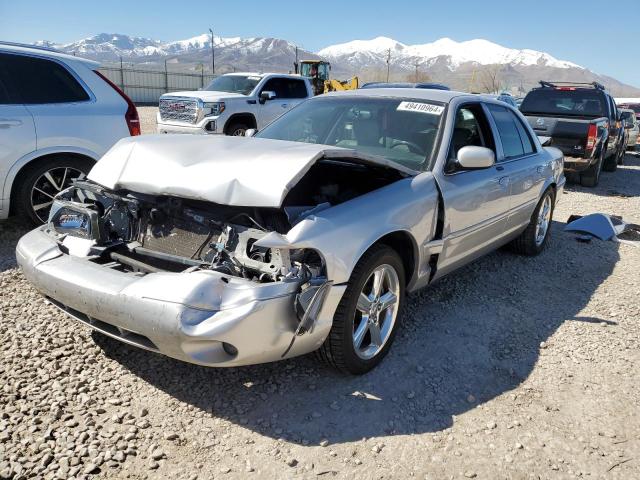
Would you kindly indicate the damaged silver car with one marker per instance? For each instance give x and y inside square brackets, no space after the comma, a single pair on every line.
[225,251]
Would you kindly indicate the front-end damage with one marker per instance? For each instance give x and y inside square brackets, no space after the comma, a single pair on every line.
[189,278]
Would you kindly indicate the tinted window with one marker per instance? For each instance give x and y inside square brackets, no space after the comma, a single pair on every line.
[274,85]
[507,131]
[402,131]
[584,103]
[42,81]
[525,136]
[4,94]
[286,88]
[295,89]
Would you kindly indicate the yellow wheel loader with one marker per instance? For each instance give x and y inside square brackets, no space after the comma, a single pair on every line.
[318,72]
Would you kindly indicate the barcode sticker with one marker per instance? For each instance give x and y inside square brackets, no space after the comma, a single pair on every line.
[421,108]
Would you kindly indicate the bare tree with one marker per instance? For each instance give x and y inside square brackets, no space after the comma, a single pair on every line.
[489,79]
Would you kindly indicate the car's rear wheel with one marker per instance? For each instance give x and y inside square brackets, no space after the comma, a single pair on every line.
[591,176]
[367,317]
[42,182]
[534,238]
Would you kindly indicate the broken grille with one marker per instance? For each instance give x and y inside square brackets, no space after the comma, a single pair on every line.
[180,109]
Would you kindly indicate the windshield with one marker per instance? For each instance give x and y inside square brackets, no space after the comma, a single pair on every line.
[243,84]
[582,103]
[398,130]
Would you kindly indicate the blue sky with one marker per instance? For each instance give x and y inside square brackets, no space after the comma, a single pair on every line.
[574,30]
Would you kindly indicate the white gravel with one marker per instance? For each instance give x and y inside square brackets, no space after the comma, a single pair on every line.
[510,368]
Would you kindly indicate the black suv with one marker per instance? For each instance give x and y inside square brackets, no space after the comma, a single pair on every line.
[582,120]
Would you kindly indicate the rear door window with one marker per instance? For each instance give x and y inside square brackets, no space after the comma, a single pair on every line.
[42,81]
[508,132]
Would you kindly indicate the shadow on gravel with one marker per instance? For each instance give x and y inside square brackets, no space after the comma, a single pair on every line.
[10,232]
[466,340]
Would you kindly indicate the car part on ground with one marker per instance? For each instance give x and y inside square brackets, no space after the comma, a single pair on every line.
[604,227]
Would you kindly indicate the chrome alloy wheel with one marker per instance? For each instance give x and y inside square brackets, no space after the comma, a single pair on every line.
[376,311]
[239,132]
[544,218]
[48,185]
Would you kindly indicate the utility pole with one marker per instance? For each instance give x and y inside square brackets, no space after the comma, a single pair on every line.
[388,63]
[417,64]
[213,55]
[295,64]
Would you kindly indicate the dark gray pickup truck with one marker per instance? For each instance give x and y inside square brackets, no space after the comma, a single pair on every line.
[581,120]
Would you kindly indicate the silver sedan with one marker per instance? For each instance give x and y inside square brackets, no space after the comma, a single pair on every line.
[306,237]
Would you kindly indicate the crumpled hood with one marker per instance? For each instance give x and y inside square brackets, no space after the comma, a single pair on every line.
[205,95]
[236,171]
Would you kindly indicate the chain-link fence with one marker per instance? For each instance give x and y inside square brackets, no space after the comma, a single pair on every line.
[144,86]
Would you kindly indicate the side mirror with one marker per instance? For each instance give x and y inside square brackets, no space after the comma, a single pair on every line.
[544,140]
[267,95]
[473,158]
[250,132]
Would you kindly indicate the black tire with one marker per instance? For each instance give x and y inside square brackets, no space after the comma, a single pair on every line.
[622,155]
[591,176]
[611,164]
[526,243]
[25,189]
[338,349]
[237,129]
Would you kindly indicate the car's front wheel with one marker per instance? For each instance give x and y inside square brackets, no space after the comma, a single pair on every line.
[367,318]
[42,182]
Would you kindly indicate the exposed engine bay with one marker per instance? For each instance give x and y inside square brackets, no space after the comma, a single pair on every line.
[143,234]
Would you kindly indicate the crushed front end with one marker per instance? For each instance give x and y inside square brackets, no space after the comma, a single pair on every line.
[181,277]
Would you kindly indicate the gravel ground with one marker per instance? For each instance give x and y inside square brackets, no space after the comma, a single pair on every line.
[510,368]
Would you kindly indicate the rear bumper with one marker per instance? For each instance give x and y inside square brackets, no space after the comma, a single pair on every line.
[577,164]
[187,316]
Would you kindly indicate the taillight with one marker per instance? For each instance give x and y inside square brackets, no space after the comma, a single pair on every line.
[592,137]
[131,115]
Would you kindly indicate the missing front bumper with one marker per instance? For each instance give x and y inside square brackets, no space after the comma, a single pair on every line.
[187,316]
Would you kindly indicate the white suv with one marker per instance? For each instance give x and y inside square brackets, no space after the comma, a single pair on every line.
[233,103]
[58,116]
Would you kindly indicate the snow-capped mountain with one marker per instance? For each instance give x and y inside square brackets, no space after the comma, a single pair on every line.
[364,53]
[458,64]
[108,47]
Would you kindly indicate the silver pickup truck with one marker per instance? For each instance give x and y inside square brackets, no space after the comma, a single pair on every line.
[233,251]
[232,103]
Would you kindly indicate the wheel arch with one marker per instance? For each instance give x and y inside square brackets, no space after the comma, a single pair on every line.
[248,118]
[22,168]
[403,243]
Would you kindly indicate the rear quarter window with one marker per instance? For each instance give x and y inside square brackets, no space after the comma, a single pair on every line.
[42,81]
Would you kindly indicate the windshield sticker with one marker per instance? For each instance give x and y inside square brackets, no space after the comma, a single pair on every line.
[420,107]
[254,78]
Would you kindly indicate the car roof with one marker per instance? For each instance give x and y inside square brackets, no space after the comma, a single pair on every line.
[261,75]
[44,52]
[444,96]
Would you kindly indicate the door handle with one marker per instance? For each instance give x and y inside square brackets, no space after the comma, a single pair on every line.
[285,105]
[503,181]
[10,122]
